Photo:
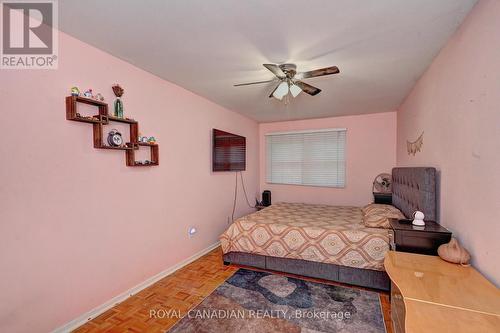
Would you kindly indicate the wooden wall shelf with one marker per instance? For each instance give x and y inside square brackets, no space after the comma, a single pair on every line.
[120,120]
[87,100]
[154,155]
[115,148]
[85,120]
[104,118]
[146,144]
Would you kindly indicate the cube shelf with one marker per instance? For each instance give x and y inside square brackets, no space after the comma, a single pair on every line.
[71,109]
[104,118]
[154,155]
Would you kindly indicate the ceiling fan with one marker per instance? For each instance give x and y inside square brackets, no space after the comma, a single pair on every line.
[291,82]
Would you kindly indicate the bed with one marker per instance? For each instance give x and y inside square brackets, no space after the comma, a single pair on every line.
[327,242]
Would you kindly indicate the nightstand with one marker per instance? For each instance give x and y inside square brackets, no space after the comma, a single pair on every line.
[382,198]
[415,239]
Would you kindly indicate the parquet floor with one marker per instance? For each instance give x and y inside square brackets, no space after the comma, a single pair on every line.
[180,292]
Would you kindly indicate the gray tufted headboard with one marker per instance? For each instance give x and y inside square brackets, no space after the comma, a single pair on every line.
[415,189]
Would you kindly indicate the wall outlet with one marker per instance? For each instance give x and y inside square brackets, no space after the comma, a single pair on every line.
[192,231]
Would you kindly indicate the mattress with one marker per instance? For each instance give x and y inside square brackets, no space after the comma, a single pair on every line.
[321,233]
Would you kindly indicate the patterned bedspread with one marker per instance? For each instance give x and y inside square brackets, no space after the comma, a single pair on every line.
[328,234]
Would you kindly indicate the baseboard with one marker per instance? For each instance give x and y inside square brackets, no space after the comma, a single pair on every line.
[77,322]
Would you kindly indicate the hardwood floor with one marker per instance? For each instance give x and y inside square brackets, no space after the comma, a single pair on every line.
[179,291]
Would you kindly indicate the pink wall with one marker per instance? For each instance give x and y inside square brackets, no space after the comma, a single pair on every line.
[77,226]
[457,104]
[370,150]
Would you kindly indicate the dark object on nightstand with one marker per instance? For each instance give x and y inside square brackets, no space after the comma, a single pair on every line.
[382,198]
[414,239]
[266,198]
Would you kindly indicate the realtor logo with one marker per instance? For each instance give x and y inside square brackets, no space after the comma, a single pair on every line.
[29,34]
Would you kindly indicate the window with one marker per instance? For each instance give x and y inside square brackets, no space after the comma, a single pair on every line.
[315,158]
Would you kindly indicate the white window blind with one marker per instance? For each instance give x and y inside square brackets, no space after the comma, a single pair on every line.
[315,158]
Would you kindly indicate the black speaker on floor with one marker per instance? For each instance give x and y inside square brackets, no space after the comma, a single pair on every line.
[266,198]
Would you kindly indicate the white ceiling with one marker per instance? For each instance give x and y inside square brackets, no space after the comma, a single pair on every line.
[381,47]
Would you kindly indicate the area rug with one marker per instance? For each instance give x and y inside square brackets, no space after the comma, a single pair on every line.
[253,301]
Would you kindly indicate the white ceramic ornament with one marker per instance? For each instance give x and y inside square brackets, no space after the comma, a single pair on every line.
[418,218]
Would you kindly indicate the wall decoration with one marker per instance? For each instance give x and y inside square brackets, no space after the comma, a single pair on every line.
[88,93]
[89,118]
[144,139]
[118,91]
[415,146]
[75,91]
[114,139]
[99,97]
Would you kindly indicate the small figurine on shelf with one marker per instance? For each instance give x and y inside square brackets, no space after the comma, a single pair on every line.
[75,91]
[99,97]
[118,102]
[88,93]
[144,139]
[152,140]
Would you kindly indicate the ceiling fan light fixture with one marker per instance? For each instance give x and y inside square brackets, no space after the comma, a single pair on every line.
[295,90]
[290,81]
[281,91]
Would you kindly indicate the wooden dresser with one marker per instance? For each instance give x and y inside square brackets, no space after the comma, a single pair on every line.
[429,294]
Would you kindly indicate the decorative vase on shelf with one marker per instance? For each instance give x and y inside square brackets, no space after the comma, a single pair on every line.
[118,108]
[118,91]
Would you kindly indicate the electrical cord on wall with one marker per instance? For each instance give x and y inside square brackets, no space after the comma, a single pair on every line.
[236,194]
[245,191]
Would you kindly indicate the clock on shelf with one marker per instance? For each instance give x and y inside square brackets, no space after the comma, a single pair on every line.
[115,138]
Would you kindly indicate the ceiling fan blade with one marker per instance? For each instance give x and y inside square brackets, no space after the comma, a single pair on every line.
[320,72]
[257,82]
[307,88]
[275,69]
